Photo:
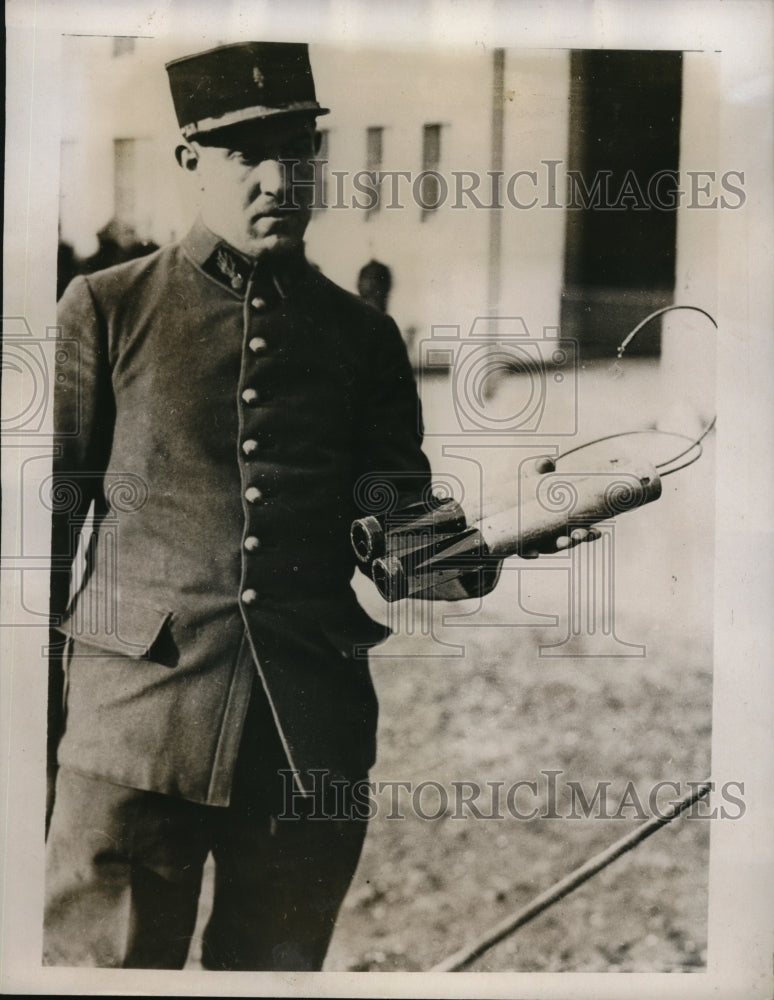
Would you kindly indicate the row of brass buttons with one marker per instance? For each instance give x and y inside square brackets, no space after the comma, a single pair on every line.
[251,397]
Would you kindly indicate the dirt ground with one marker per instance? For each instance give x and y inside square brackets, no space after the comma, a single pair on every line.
[486,692]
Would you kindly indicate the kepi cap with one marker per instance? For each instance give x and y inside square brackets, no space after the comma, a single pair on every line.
[237,83]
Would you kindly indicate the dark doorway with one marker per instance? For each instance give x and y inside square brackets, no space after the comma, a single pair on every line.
[622,179]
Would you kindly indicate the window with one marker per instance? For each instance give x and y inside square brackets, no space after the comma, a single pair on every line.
[122,45]
[374,153]
[430,196]
[124,159]
[134,172]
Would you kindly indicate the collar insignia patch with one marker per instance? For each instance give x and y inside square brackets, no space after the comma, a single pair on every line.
[228,267]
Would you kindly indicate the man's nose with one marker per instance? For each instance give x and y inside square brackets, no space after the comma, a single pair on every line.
[271,176]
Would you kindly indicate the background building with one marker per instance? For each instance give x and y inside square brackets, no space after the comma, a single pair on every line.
[568,144]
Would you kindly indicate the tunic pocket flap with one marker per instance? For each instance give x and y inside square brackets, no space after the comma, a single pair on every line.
[126,629]
[351,630]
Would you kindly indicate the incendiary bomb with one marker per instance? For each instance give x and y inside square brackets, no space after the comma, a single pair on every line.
[431,542]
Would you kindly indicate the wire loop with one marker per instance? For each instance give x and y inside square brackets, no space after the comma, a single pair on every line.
[694,443]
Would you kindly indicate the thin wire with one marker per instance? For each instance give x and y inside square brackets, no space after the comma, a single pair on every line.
[618,434]
[659,312]
[685,465]
[694,442]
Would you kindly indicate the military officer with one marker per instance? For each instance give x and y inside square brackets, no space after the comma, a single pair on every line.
[222,403]
[217,405]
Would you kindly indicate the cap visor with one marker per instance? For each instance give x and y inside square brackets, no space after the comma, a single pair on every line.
[215,130]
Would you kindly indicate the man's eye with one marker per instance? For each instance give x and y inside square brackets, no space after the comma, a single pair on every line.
[240,156]
[252,157]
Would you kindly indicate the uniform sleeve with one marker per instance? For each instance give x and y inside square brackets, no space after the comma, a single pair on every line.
[393,467]
[390,434]
[83,420]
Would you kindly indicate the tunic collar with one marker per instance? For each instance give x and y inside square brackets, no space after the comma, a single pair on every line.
[233,270]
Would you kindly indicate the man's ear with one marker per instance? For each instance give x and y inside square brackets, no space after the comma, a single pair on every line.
[186,157]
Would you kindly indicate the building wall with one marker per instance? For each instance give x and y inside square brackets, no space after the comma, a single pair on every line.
[107,97]
[439,259]
[689,341]
[536,122]
[444,263]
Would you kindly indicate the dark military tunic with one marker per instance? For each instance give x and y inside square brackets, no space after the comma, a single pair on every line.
[218,416]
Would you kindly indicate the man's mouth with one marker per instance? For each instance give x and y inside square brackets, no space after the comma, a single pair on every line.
[275,216]
[268,222]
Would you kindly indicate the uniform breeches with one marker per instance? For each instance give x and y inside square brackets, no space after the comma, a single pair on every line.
[124,870]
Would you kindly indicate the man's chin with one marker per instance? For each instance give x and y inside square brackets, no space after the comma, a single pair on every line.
[261,238]
[273,244]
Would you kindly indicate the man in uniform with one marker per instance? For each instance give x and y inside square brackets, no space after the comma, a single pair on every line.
[222,403]
[218,404]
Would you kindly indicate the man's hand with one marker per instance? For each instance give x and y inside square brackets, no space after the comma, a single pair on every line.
[576,536]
